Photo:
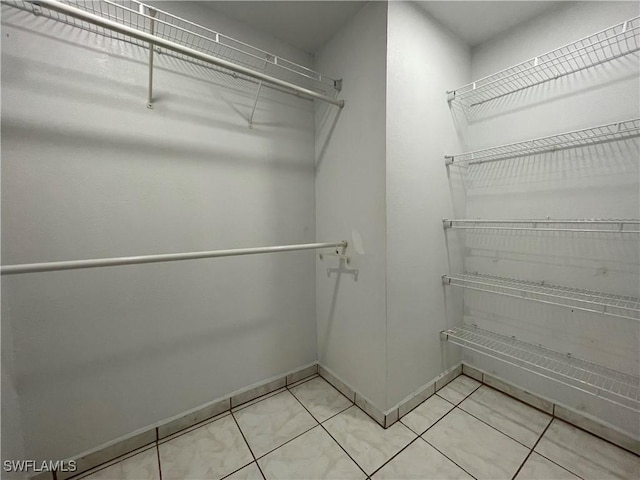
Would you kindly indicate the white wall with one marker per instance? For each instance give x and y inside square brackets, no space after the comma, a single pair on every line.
[350,204]
[88,172]
[12,441]
[424,60]
[595,182]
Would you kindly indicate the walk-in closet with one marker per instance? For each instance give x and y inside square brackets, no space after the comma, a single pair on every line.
[320,240]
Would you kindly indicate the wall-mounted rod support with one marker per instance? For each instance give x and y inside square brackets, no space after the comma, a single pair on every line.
[255,101]
[169,257]
[152,13]
[161,42]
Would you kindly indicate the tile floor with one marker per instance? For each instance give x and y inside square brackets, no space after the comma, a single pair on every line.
[311,431]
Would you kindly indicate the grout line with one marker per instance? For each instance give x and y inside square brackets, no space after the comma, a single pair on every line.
[158,455]
[236,471]
[248,446]
[531,450]
[553,405]
[494,427]
[395,455]
[332,437]
[336,414]
[578,427]
[436,422]
[302,381]
[358,406]
[553,416]
[288,441]
[194,427]
[109,463]
[244,438]
[259,398]
[338,390]
[329,418]
[468,395]
[436,448]
[557,464]
[419,434]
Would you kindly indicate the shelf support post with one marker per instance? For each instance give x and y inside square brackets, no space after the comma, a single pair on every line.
[152,13]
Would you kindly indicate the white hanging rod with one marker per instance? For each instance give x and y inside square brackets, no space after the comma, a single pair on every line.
[169,257]
[546,225]
[574,298]
[94,19]
[610,132]
[611,43]
[614,386]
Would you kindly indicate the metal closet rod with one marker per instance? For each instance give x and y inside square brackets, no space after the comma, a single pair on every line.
[160,42]
[168,257]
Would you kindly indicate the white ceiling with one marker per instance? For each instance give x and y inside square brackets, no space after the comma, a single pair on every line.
[478,21]
[310,24]
[304,24]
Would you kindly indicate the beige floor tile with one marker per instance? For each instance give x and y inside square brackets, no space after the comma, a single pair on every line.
[368,443]
[585,455]
[426,414]
[313,454]
[209,452]
[321,399]
[270,423]
[420,461]
[510,416]
[475,446]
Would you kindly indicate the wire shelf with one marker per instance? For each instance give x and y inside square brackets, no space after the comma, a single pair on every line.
[163,25]
[609,44]
[611,132]
[615,226]
[612,385]
[574,298]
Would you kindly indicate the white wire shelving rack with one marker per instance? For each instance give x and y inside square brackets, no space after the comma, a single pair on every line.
[611,132]
[586,300]
[161,32]
[617,387]
[611,43]
[615,226]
